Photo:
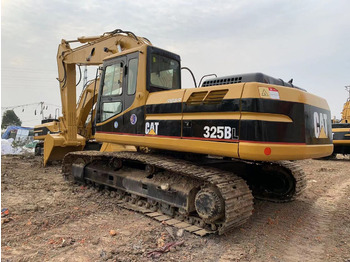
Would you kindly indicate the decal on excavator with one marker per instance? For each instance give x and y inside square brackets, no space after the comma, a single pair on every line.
[151,128]
[269,92]
[320,125]
[133,119]
[173,100]
[220,132]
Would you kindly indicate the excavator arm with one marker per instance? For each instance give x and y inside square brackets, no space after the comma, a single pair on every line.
[92,52]
[87,100]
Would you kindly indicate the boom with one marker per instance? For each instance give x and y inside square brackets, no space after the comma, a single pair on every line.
[92,52]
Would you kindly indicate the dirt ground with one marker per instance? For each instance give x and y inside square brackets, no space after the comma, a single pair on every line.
[49,220]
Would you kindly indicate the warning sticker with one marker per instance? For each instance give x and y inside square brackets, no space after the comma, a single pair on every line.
[269,92]
[274,93]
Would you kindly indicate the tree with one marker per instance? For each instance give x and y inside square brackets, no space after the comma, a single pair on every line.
[9,118]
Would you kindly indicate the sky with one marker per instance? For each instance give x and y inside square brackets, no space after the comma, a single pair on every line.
[306,40]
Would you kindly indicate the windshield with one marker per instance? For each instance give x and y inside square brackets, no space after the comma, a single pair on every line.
[165,72]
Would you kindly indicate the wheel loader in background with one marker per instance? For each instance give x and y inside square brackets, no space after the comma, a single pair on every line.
[85,118]
[198,149]
[341,130]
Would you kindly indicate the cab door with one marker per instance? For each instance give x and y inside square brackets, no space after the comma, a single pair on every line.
[117,94]
[111,93]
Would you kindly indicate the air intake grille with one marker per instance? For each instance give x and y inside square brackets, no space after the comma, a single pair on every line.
[196,98]
[222,81]
[215,97]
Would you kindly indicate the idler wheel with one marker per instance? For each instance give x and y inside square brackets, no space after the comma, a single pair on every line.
[116,164]
[150,170]
[209,204]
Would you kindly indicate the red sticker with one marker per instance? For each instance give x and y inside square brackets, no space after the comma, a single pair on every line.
[267,151]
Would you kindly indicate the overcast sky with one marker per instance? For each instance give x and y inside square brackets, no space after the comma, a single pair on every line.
[304,40]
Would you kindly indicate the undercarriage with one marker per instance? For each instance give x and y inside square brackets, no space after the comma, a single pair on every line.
[205,198]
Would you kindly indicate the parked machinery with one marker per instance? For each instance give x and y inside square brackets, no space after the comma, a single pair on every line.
[341,130]
[198,147]
[85,112]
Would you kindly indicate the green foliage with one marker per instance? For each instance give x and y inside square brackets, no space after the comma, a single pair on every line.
[9,118]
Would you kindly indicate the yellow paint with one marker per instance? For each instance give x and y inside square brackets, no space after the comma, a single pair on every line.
[163,117]
[246,150]
[166,97]
[212,116]
[221,116]
[252,90]
[341,142]
[56,147]
[341,129]
[323,133]
[110,147]
[264,92]
[282,151]
[151,132]
[176,144]
[266,117]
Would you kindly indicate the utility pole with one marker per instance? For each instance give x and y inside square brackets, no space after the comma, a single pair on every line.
[42,110]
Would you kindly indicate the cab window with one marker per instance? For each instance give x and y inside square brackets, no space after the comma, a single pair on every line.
[113,80]
[132,76]
[110,109]
[164,72]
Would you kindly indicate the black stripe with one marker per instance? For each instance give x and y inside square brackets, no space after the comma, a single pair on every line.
[228,105]
[301,130]
[164,108]
[341,136]
[341,125]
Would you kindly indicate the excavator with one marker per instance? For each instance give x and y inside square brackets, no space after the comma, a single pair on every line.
[341,130]
[202,153]
[47,126]
[87,100]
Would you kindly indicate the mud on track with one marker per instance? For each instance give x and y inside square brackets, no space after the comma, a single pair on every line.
[51,221]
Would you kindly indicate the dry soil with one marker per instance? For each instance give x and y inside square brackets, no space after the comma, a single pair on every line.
[49,220]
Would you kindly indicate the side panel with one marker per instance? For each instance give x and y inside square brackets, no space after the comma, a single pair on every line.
[302,129]
[286,124]
[164,114]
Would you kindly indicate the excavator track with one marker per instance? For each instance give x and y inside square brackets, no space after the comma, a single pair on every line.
[290,177]
[235,193]
[279,181]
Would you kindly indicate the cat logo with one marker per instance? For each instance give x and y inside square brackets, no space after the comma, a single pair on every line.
[320,125]
[151,128]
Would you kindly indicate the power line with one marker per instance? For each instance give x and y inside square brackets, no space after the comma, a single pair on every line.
[25,105]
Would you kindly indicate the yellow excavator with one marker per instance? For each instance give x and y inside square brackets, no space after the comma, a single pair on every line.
[84,113]
[202,153]
[341,130]
[47,126]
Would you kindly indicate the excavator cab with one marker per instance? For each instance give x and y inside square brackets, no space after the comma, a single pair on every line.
[127,80]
